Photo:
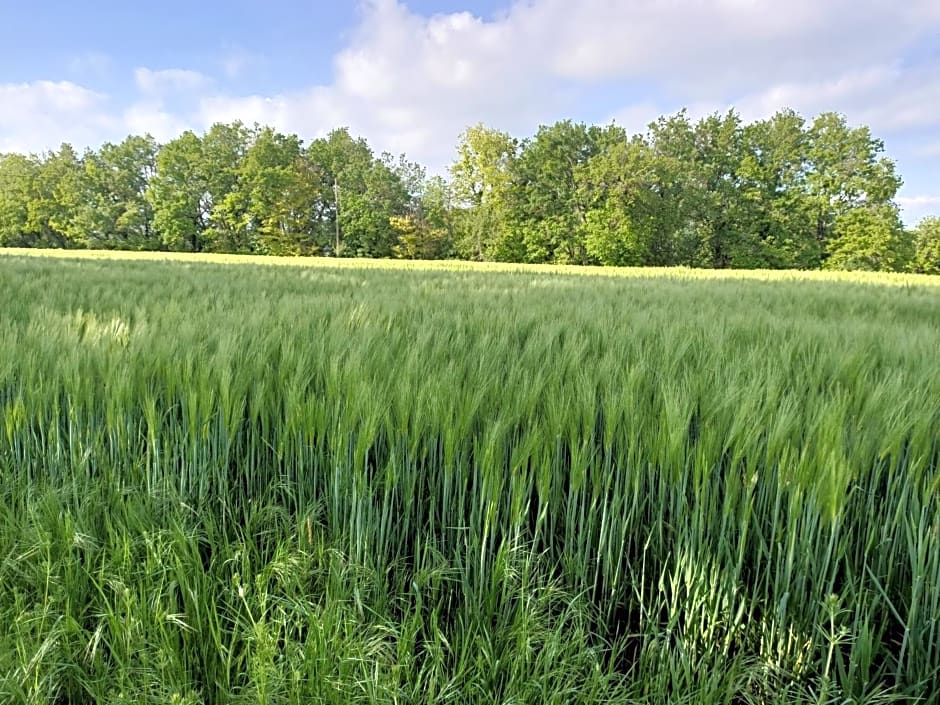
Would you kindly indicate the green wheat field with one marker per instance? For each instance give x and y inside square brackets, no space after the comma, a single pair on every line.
[229,482]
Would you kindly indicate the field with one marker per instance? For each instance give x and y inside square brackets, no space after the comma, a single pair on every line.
[232,482]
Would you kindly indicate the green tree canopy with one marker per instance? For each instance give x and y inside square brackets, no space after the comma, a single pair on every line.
[482,179]
[784,192]
[927,246]
[114,212]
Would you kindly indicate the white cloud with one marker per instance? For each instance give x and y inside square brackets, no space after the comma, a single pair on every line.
[889,98]
[150,117]
[169,81]
[56,96]
[158,90]
[698,45]
[40,115]
[918,201]
[813,96]
[916,208]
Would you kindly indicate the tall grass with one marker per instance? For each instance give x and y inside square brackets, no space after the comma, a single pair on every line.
[234,484]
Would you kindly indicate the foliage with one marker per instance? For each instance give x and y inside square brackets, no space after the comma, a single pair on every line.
[17,188]
[550,206]
[718,193]
[927,246]
[179,195]
[418,239]
[482,182]
[114,211]
[870,237]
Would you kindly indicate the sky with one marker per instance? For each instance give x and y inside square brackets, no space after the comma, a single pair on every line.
[411,75]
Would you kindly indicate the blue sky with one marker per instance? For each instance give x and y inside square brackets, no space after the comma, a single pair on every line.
[411,75]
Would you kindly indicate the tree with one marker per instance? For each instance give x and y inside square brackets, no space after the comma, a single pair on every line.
[341,163]
[680,188]
[362,193]
[721,212]
[549,205]
[56,197]
[778,214]
[115,212]
[41,199]
[845,170]
[18,174]
[426,232]
[419,239]
[223,151]
[781,192]
[178,195]
[619,190]
[273,202]
[194,176]
[871,238]
[482,179]
[927,246]
[386,196]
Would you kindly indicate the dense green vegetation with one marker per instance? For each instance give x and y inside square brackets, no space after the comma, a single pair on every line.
[718,193]
[249,484]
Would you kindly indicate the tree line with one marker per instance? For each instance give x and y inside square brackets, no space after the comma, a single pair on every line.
[717,192]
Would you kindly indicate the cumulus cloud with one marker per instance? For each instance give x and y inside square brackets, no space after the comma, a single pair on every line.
[151,117]
[889,98]
[702,46]
[164,104]
[39,115]
[916,201]
[916,208]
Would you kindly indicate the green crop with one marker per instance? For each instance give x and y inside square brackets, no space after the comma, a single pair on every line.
[232,483]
